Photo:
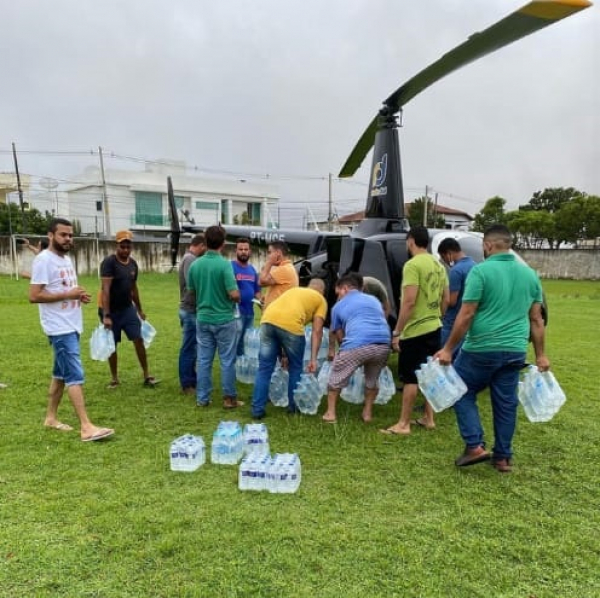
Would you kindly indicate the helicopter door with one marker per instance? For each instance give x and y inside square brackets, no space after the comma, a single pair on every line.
[374,262]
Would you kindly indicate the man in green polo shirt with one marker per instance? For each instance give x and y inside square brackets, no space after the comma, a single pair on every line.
[500,312]
[212,280]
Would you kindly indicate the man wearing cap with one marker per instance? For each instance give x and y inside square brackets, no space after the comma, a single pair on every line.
[121,308]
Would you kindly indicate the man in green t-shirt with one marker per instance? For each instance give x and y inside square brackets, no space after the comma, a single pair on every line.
[211,279]
[418,329]
[501,310]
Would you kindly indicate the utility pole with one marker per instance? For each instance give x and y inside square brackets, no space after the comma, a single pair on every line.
[104,196]
[19,189]
[425,203]
[435,209]
[330,211]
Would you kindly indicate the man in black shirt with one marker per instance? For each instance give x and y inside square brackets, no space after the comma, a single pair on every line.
[121,307]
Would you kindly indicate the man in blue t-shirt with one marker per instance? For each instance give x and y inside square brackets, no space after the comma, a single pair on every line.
[460,264]
[363,334]
[247,280]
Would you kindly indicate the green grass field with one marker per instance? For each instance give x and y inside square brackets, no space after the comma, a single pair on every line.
[374,516]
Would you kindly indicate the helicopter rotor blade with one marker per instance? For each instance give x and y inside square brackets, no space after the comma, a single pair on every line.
[526,20]
[175,227]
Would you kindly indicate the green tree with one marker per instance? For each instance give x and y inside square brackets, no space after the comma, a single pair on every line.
[415,214]
[551,199]
[491,213]
[579,219]
[11,220]
[530,228]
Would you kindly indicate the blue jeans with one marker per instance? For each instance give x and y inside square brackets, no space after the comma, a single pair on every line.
[446,330]
[67,360]
[274,340]
[210,338]
[498,370]
[244,322]
[187,353]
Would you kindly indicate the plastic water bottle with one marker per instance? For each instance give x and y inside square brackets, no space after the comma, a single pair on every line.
[243,474]
[236,311]
[263,467]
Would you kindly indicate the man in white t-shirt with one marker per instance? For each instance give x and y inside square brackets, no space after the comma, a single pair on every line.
[54,287]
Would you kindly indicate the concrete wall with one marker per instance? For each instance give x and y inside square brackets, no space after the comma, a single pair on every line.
[576,264]
[156,257]
[151,256]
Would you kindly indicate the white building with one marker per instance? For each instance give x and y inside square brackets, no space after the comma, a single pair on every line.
[137,200]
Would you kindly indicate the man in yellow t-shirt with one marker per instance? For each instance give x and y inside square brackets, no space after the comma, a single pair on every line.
[282,331]
[278,274]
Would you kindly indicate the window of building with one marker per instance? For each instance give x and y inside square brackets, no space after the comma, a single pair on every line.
[207,205]
[254,213]
[224,210]
[148,208]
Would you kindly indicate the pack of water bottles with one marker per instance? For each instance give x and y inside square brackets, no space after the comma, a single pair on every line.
[256,439]
[252,342]
[227,443]
[323,349]
[102,343]
[187,453]
[323,377]
[307,394]
[246,368]
[440,384]
[246,365]
[278,387]
[540,394]
[280,474]
[387,387]
[355,390]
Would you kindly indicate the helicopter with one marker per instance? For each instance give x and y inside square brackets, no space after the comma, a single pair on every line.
[377,245]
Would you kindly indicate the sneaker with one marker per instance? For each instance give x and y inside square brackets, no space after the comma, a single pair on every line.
[151,382]
[471,456]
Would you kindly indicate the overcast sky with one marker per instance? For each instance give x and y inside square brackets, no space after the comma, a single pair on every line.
[286,87]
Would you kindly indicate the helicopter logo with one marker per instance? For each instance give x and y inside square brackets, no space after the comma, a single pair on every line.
[379,177]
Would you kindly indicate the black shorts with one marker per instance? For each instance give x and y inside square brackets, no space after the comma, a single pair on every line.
[415,351]
[127,321]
